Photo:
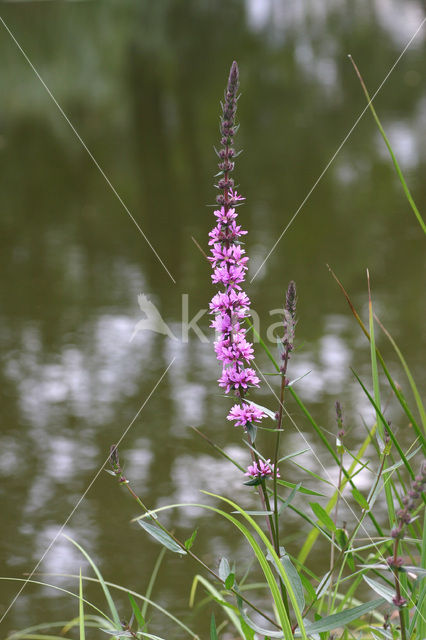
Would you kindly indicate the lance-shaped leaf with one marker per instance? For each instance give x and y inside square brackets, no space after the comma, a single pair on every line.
[292,574]
[161,536]
[341,619]
[323,516]
[386,593]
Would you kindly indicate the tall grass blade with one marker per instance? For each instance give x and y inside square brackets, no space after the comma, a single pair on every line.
[81,608]
[151,582]
[105,589]
[408,373]
[395,389]
[387,143]
[374,371]
[213,630]
[137,613]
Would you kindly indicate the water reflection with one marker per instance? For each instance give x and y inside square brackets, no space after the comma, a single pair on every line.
[141,83]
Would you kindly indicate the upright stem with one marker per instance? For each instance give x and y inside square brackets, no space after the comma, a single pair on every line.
[333,535]
[276,454]
[395,569]
[276,541]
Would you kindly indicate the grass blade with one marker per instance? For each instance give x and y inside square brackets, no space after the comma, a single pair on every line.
[395,389]
[81,608]
[105,589]
[387,143]
[408,373]
[151,582]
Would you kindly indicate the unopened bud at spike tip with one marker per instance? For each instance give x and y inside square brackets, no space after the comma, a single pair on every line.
[234,78]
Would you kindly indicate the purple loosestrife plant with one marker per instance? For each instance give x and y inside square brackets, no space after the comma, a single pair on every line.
[229,262]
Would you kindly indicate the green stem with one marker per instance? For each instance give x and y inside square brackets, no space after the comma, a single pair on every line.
[398,589]
[276,543]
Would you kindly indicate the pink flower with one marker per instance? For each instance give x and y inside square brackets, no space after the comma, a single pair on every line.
[234,196]
[261,469]
[223,216]
[223,323]
[230,275]
[244,413]
[236,301]
[233,378]
[234,348]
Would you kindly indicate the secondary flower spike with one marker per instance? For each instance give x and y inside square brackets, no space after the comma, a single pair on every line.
[231,305]
[261,469]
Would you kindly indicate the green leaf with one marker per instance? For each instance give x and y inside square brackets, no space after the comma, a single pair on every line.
[292,485]
[224,569]
[342,539]
[294,578]
[213,630]
[350,561]
[323,516]
[261,512]
[289,500]
[290,384]
[292,574]
[161,536]
[313,474]
[383,591]
[293,455]
[253,482]
[419,572]
[249,634]
[251,430]
[308,587]
[340,619]
[401,462]
[127,634]
[138,615]
[360,499]
[230,580]
[190,541]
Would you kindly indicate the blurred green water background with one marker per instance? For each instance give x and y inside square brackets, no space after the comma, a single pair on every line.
[141,81]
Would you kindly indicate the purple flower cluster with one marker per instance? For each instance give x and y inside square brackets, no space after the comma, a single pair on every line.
[231,305]
[261,469]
